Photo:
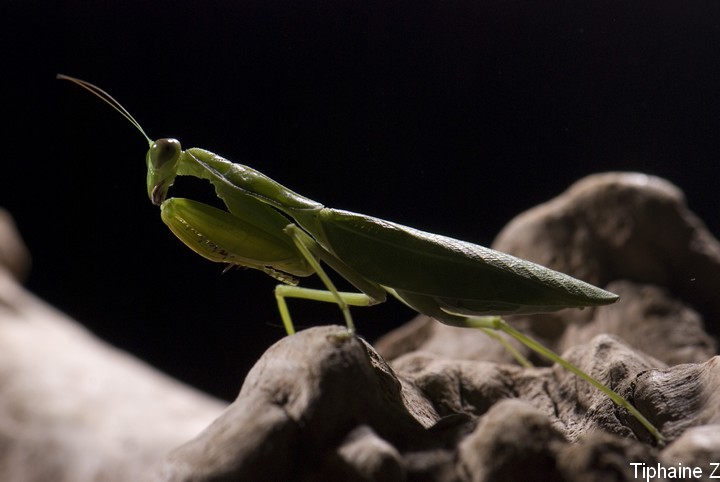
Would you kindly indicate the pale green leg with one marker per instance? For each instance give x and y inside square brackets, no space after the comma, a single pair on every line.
[341,298]
[497,323]
[519,357]
[332,295]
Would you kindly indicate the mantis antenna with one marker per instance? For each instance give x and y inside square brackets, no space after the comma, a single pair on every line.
[108,99]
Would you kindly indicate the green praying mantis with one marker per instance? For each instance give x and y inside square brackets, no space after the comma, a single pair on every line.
[270,228]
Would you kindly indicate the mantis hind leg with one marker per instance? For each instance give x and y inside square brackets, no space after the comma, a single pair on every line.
[494,324]
[502,325]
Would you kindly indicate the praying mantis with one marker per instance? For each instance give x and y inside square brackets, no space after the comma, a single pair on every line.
[287,236]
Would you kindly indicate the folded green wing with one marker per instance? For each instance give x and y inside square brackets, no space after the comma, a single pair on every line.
[460,277]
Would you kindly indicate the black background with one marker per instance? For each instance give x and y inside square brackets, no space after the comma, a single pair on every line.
[450,116]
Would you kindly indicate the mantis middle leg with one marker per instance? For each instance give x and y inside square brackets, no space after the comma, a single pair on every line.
[311,251]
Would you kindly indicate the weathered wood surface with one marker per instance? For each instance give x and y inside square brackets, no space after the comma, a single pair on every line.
[440,403]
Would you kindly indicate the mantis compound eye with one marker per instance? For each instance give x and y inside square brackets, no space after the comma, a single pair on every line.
[164,151]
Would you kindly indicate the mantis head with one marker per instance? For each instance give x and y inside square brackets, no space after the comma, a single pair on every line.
[162,161]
